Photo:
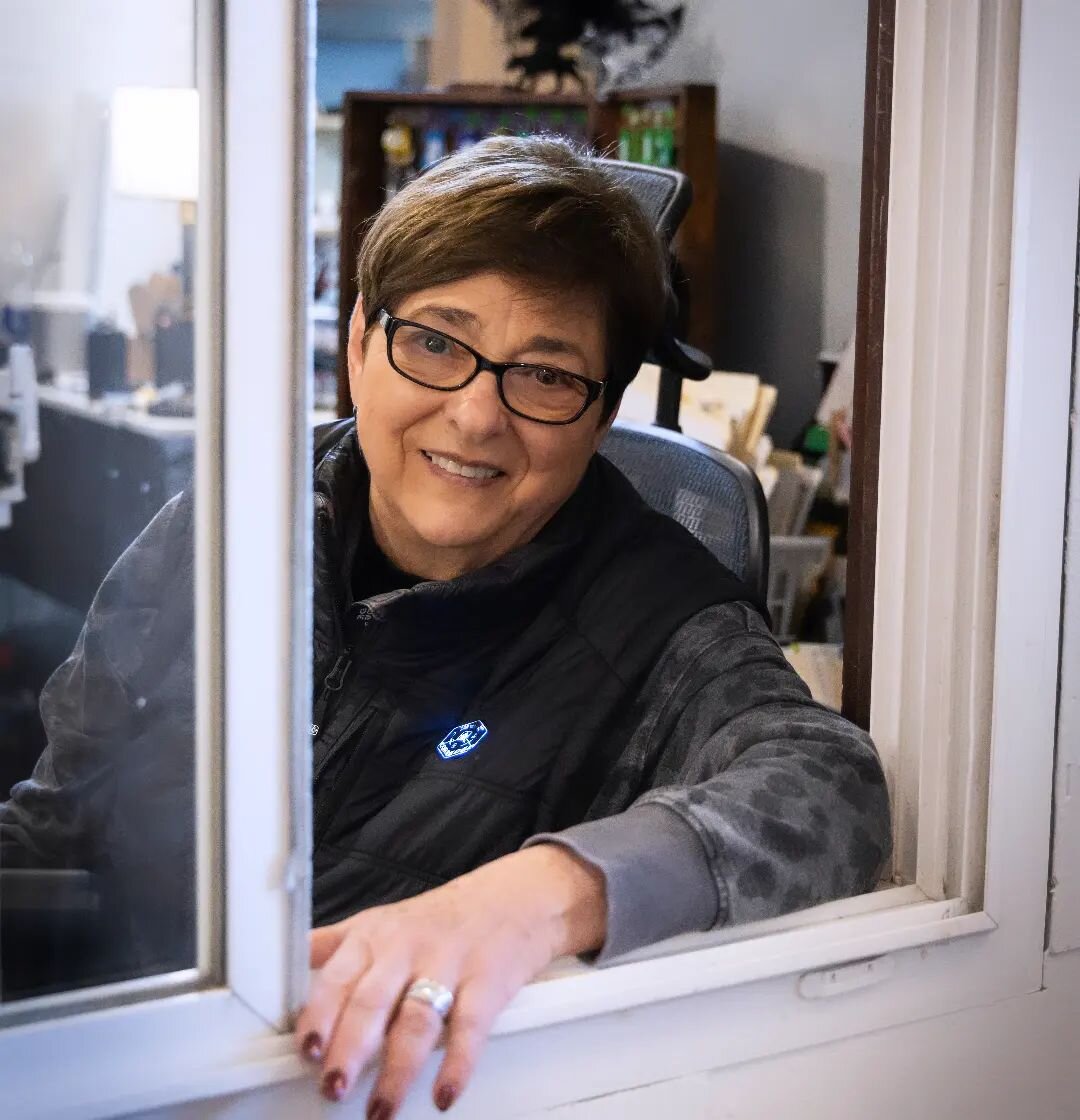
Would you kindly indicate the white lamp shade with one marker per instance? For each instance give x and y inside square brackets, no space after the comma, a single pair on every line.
[155,143]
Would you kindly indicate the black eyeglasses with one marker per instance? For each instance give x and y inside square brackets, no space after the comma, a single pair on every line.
[546,394]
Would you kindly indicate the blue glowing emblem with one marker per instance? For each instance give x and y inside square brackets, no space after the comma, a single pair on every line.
[462,739]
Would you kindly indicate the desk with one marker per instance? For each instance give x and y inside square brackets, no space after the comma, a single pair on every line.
[102,475]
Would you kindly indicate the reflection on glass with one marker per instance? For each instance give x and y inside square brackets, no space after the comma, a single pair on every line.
[98,184]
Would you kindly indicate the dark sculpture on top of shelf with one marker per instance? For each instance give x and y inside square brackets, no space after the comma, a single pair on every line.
[618,38]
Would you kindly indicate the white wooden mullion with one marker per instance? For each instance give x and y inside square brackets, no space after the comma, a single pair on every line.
[942,384]
[938,377]
[968,776]
[208,299]
[266,169]
[892,682]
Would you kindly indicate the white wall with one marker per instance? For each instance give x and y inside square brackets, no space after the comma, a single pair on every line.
[790,80]
[60,60]
[1016,1060]
[466,44]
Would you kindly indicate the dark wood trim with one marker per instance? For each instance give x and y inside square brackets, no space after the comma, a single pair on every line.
[696,242]
[476,96]
[869,332]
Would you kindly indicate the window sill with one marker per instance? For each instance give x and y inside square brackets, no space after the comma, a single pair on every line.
[838,932]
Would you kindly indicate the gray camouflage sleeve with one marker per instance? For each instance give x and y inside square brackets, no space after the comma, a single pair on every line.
[769,802]
[103,736]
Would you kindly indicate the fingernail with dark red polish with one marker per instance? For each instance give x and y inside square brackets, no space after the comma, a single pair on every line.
[445,1097]
[379,1110]
[333,1085]
[311,1047]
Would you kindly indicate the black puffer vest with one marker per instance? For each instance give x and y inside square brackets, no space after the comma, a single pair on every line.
[455,719]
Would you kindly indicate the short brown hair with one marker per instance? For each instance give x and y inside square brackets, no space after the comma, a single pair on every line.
[536,208]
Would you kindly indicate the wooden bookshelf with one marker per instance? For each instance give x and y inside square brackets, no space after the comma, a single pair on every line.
[366,115]
[695,156]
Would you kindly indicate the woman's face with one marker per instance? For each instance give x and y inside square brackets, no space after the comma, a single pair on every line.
[438,524]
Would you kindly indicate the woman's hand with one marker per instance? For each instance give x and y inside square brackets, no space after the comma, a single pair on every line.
[483,936]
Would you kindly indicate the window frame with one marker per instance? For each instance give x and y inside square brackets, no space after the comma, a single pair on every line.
[253,848]
[969,931]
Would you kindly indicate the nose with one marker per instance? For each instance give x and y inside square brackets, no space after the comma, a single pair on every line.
[477,410]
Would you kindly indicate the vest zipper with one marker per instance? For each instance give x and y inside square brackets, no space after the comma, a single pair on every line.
[335,679]
[332,683]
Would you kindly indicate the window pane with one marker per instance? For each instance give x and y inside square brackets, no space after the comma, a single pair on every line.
[99,133]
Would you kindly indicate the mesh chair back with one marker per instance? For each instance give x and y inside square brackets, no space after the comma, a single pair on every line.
[707,491]
[662,192]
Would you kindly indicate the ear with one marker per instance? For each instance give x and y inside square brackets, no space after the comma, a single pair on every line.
[355,356]
[602,430]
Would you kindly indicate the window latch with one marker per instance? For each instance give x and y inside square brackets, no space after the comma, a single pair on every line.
[843,978]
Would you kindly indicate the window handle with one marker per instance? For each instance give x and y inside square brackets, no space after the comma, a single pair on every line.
[841,979]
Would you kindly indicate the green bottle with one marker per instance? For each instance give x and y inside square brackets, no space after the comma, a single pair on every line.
[664,137]
[632,134]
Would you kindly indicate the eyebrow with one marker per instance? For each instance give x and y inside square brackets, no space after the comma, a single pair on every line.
[537,344]
[452,316]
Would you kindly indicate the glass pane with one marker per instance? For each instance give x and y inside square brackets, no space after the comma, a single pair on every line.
[99,136]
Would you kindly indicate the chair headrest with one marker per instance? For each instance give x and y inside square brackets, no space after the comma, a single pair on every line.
[662,192]
[665,195]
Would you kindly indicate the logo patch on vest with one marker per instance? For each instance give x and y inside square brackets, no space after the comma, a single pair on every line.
[462,739]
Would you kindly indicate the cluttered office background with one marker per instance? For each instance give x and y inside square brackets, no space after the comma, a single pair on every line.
[98,210]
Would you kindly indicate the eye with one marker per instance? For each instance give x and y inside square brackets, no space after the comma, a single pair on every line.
[434,344]
[552,378]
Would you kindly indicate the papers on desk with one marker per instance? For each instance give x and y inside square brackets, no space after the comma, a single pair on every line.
[794,485]
[821,667]
[729,411]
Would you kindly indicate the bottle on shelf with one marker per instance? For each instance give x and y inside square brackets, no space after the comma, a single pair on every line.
[471,133]
[630,134]
[399,156]
[648,135]
[434,143]
[664,136]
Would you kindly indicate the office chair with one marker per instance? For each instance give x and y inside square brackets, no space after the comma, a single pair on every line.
[709,492]
[713,494]
[665,195]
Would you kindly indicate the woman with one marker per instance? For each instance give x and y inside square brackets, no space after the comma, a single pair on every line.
[547,720]
[550,722]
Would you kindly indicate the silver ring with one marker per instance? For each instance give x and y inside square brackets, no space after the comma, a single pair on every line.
[437,996]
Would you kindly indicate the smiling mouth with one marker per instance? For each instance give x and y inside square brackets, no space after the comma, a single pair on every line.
[462,470]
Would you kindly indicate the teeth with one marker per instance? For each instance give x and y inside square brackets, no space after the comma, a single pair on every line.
[455,467]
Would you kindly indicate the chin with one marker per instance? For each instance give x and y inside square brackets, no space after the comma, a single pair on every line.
[457,532]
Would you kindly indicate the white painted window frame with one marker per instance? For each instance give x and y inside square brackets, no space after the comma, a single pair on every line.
[967,612]
[132,1046]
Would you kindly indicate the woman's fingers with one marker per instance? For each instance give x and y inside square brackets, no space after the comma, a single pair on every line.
[324,942]
[471,1018]
[361,1026]
[348,962]
[409,1042]
[469,935]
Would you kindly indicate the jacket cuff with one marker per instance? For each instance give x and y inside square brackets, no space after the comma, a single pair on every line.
[657,878]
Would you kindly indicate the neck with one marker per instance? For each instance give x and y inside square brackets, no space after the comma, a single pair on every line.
[416,557]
